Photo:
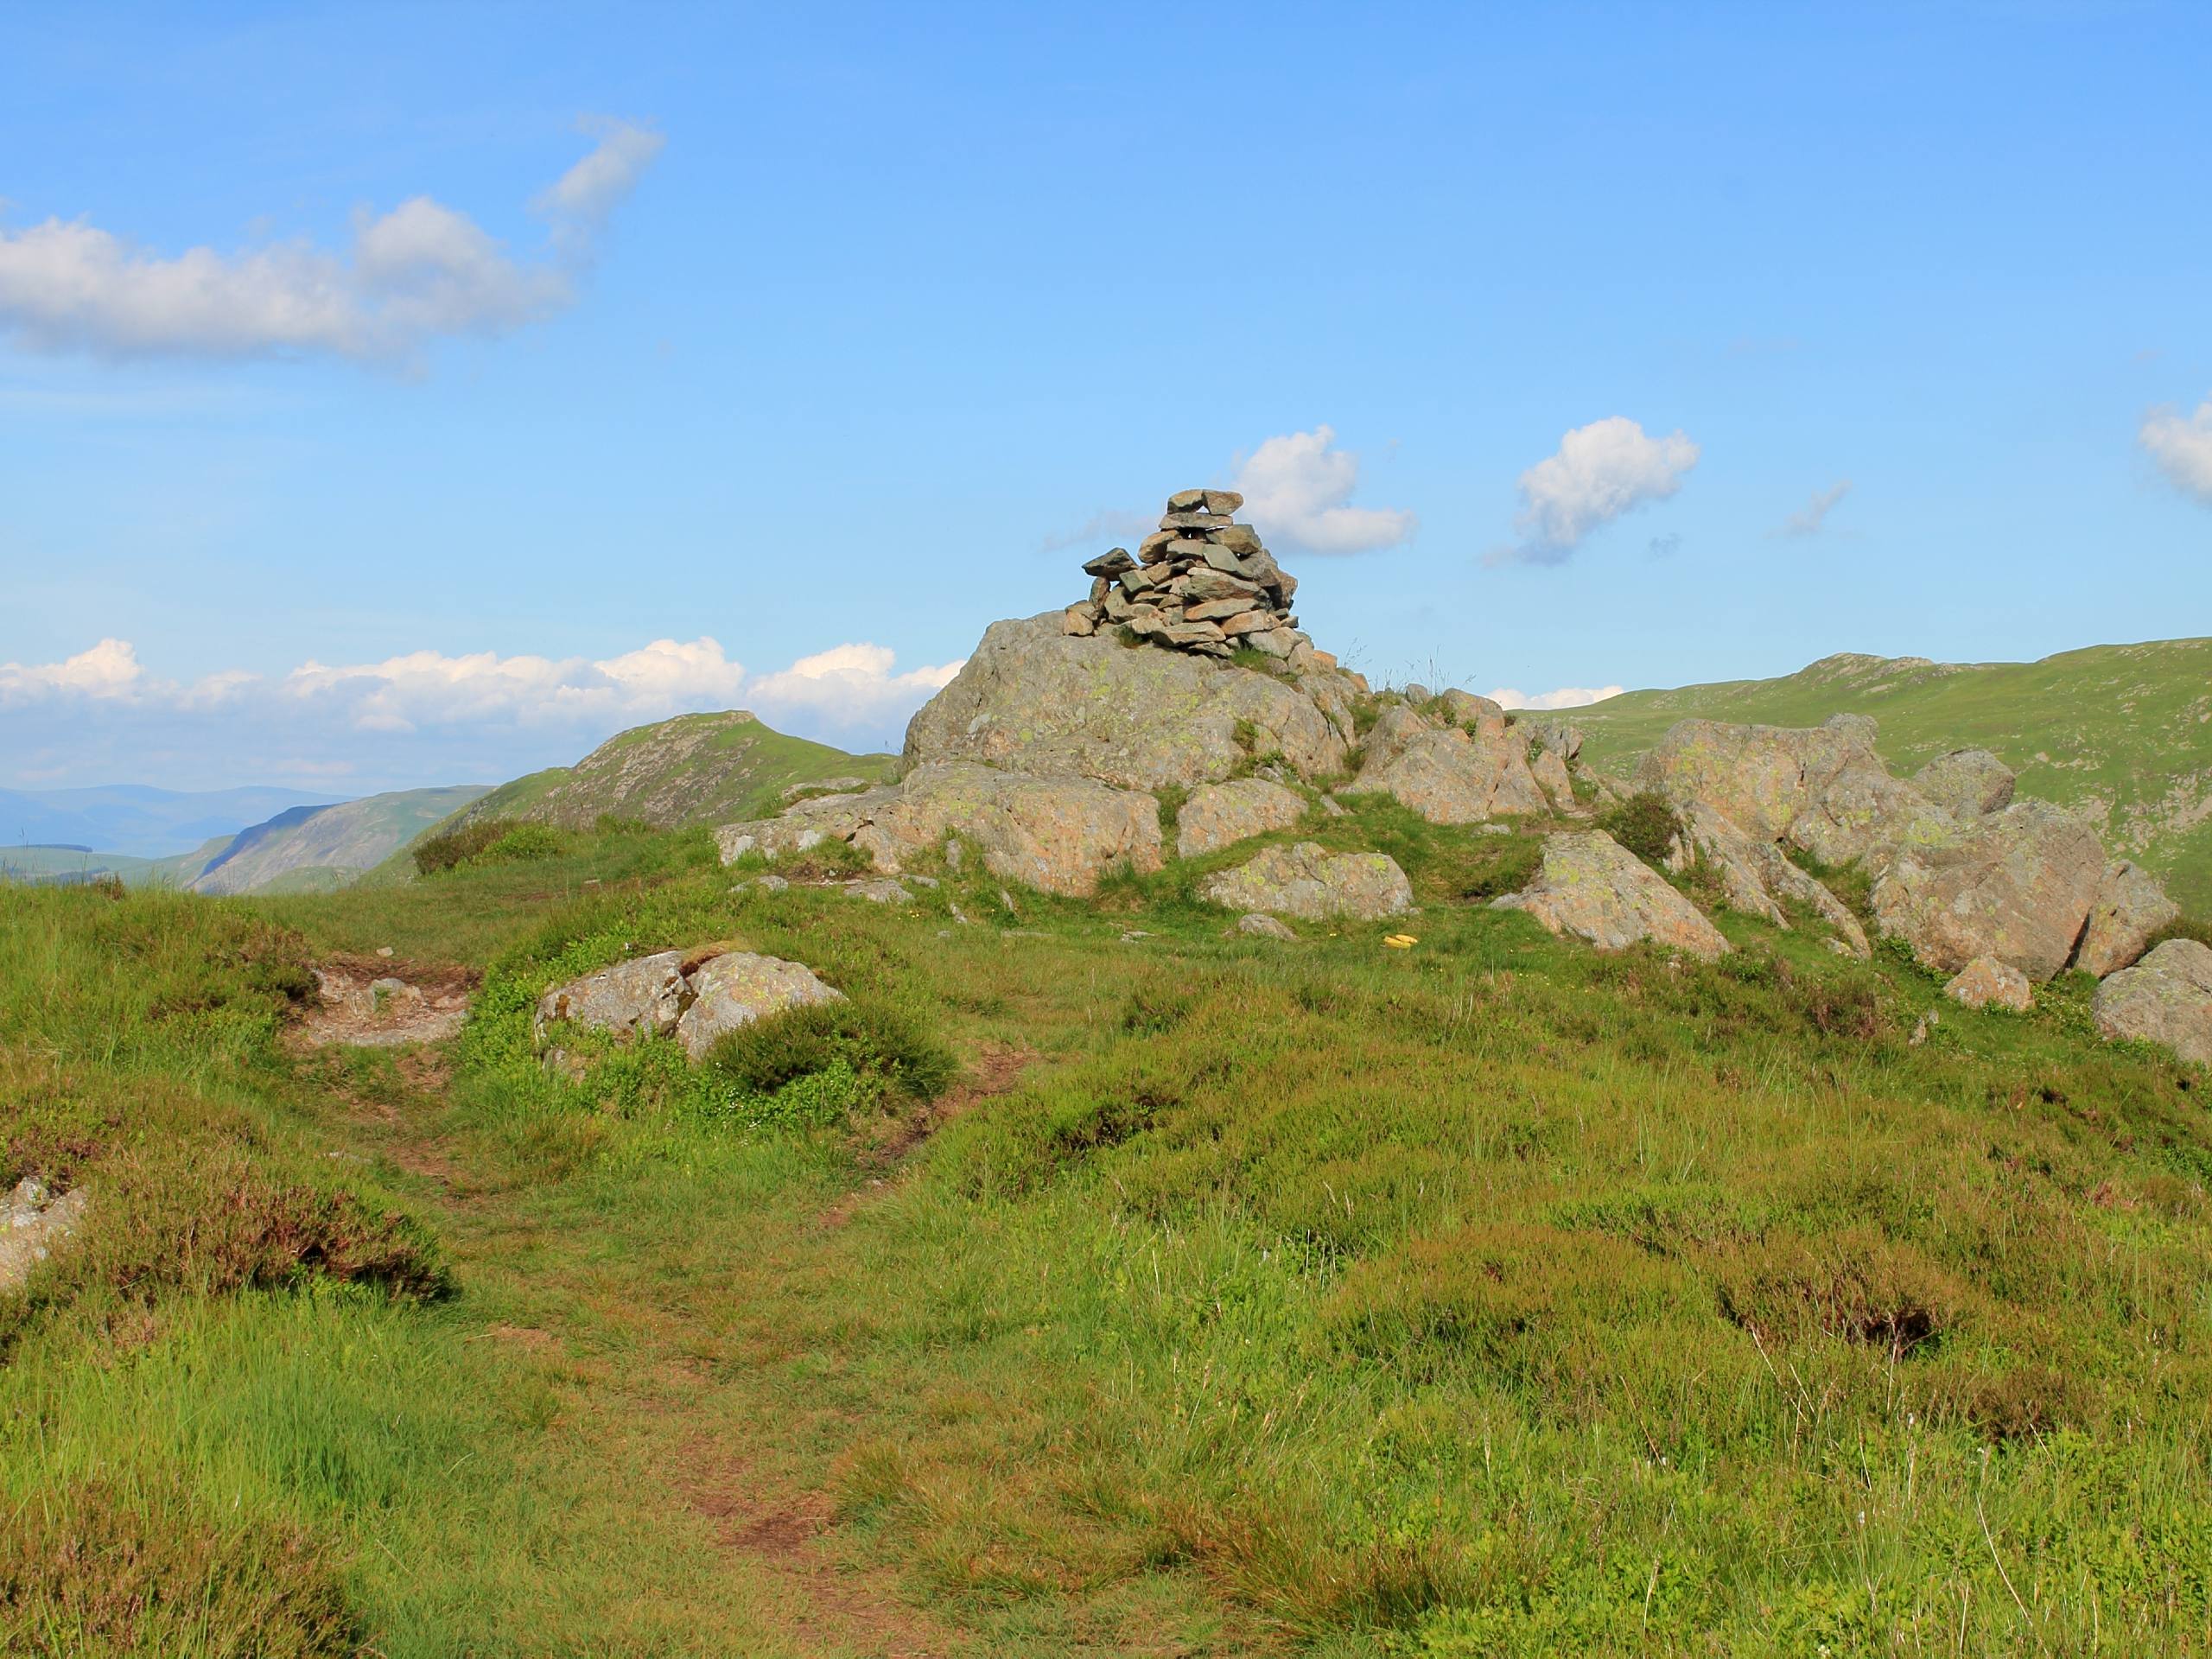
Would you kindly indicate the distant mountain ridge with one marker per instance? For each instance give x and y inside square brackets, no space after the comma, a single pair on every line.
[706,768]
[2122,733]
[313,848]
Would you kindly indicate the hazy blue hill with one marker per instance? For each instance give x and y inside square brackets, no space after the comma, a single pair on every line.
[310,847]
[135,820]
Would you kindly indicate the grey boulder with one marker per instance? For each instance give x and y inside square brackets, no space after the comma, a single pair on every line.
[2166,999]
[739,988]
[1219,815]
[1594,888]
[1309,882]
[2129,907]
[2017,886]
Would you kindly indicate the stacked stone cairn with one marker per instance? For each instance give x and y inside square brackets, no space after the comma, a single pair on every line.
[1203,583]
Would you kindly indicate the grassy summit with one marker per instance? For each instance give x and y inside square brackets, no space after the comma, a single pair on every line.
[695,769]
[2122,731]
[1486,1296]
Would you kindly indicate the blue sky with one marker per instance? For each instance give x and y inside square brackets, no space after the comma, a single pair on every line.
[541,369]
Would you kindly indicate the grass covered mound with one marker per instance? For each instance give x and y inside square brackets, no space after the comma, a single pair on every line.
[1489,1296]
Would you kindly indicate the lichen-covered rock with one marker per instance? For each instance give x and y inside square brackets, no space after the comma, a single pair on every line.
[738,988]
[1552,778]
[1034,699]
[2166,998]
[1058,833]
[1966,783]
[645,994]
[1446,773]
[1756,876]
[1258,926]
[33,1221]
[1596,889]
[1314,885]
[1481,715]
[1219,815]
[1986,982]
[2129,907]
[2017,886]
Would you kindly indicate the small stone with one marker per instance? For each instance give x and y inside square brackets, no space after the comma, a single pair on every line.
[1223,502]
[1110,563]
[879,890]
[1258,926]
[1986,982]
[1186,501]
[1200,521]
[772,884]
[1155,547]
[1224,560]
[384,950]
[1241,538]
[1220,584]
[1218,610]
[1251,622]
[1279,643]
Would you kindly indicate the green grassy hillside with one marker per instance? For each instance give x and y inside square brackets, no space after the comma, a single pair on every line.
[316,848]
[1489,1297]
[709,769]
[2122,732]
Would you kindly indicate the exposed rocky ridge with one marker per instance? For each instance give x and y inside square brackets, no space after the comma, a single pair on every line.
[2121,734]
[1058,833]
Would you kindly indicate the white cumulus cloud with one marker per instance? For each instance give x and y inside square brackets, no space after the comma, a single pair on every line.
[2182,445]
[419,272]
[1599,472]
[1813,516]
[1297,490]
[109,670]
[477,714]
[1568,696]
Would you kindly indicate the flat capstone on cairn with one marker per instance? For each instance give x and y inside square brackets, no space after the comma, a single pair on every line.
[1201,584]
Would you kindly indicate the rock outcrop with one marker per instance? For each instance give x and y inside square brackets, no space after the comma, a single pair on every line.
[1966,783]
[1058,833]
[1202,584]
[1032,699]
[1822,788]
[2017,886]
[645,995]
[1756,876]
[1448,774]
[1594,888]
[1986,982]
[655,996]
[2129,907]
[1960,868]
[2166,998]
[739,988]
[34,1219]
[1220,815]
[1309,882]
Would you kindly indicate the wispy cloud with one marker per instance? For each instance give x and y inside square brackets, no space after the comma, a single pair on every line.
[1567,696]
[1599,472]
[1108,524]
[419,272]
[2182,445]
[1811,519]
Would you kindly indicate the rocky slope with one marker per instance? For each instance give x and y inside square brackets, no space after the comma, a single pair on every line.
[2122,733]
[694,769]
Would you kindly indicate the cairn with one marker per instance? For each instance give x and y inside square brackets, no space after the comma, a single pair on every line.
[1202,584]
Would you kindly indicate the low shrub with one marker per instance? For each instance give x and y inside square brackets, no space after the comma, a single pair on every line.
[457,847]
[884,1052]
[1646,823]
[525,843]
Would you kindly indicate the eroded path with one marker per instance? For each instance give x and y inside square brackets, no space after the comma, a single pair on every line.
[677,1329]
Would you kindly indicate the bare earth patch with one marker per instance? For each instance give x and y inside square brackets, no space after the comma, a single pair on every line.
[371,1002]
